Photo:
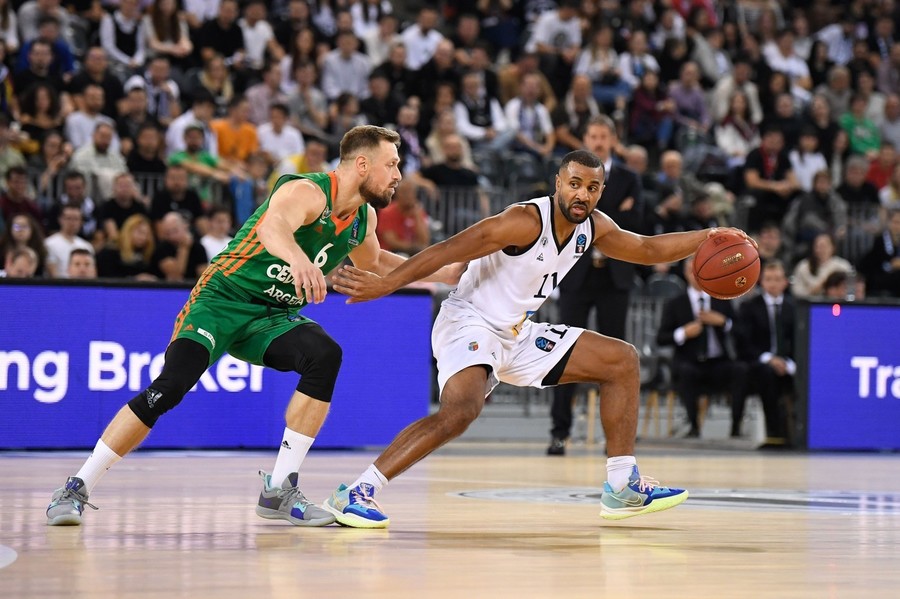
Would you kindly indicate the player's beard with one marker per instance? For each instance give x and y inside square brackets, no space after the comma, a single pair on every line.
[370,194]
[566,210]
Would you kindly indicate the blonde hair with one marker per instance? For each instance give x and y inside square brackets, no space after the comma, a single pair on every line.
[125,248]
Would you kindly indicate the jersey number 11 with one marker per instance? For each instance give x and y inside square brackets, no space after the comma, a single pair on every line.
[553,283]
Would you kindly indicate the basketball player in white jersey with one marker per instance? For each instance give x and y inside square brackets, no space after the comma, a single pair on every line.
[483,334]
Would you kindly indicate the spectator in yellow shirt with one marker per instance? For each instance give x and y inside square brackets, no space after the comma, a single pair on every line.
[314,159]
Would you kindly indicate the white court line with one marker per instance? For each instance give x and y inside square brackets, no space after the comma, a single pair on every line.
[7,556]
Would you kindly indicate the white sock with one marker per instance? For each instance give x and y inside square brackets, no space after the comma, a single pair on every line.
[100,460]
[294,447]
[618,469]
[372,476]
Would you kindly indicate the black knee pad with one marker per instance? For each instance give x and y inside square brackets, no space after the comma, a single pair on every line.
[308,350]
[186,361]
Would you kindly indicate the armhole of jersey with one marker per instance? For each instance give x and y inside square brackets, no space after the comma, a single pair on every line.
[593,230]
[511,250]
[326,212]
[278,183]
[363,215]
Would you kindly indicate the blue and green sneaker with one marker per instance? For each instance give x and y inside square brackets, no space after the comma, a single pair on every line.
[356,507]
[641,495]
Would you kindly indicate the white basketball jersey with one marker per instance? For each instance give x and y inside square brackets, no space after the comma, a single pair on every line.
[507,289]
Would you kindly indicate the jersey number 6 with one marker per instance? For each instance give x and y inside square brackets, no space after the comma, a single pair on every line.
[322,256]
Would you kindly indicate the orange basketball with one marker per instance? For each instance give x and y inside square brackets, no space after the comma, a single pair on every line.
[726,265]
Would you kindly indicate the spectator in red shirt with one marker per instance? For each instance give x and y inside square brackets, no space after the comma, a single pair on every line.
[686,7]
[882,167]
[403,225]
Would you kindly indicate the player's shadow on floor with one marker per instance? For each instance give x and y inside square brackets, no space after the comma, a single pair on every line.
[584,540]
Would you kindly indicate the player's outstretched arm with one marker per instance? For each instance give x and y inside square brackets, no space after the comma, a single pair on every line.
[295,204]
[370,257]
[653,249]
[515,226]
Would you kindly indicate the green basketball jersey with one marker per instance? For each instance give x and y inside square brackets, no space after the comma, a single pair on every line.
[246,265]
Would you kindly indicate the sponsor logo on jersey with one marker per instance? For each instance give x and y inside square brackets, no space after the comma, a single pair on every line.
[326,214]
[543,241]
[281,273]
[354,232]
[544,344]
[540,257]
[283,297]
[580,243]
[209,336]
[473,346]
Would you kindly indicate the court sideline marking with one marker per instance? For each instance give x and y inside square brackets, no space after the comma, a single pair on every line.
[7,556]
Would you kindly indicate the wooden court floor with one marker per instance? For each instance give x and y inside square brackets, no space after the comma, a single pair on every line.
[473,521]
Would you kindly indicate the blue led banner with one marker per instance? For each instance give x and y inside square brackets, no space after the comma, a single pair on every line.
[854,377]
[71,356]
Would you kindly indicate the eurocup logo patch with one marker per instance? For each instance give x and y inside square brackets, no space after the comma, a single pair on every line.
[354,233]
[473,346]
[544,344]
[580,243]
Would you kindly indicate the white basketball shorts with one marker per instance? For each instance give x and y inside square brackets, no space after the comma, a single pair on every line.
[461,339]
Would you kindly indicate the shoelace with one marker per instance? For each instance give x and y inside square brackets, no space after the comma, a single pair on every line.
[295,495]
[365,499]
[70,494]
[647,484]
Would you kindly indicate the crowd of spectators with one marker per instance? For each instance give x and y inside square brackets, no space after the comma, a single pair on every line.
[146,132]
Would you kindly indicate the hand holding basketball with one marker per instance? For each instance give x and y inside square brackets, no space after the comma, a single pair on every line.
[726,265]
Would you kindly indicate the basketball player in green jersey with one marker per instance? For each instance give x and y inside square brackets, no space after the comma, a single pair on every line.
[247,302]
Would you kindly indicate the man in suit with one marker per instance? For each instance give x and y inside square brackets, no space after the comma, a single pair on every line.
[881,266]
[597,281]
[700,328]
[766,343]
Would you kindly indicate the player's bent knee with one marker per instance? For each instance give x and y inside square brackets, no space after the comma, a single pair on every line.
[454,424]
[330,352]
[186,361]
[153,402]
[162,395]
[311,352]
[319,369]
[631,357]
[620,361]
[455,419]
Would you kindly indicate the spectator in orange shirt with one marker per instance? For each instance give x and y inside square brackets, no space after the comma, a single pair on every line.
[237,136]
[403,225]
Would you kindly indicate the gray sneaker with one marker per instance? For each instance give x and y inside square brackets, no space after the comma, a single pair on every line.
[289,503]
[67,504]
